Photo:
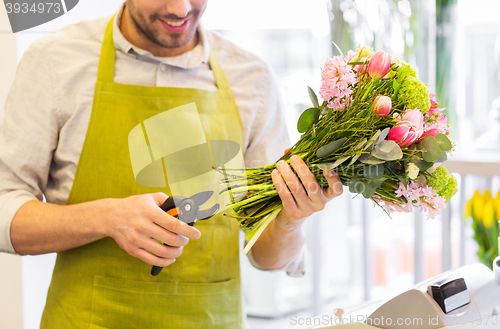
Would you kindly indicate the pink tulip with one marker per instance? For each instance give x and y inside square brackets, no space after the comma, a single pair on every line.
[398,133]
[442,119]
[433,110]
[404,133]
[434,104]
[416,119]
[380,63]
[432,132]
[382,105]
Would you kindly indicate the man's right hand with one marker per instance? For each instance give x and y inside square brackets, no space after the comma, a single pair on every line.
[137,223]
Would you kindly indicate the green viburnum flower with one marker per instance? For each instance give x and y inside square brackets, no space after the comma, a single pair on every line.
[443,183]
[397,65]
[414,94]
[365,52]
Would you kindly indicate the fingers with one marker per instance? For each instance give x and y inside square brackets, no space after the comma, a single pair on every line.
[172,239]
[176,226]
[300,192]
[151,259]
[296,201]
[292,181]
[170,223]
[161,250]
[306,190]
[286,197]
[311,185]
[335,187]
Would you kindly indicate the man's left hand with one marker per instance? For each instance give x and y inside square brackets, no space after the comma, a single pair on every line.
[301,200]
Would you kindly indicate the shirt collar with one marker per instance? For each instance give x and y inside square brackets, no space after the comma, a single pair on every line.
[189,60]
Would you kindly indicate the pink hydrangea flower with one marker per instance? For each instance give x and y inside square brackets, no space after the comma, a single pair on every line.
[434,120]
[336,77]
[422,196]
[391,207]
[351,55]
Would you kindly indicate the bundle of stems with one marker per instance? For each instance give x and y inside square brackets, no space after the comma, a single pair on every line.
[356,122]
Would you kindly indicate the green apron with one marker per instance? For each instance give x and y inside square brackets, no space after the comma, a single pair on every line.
[99,285]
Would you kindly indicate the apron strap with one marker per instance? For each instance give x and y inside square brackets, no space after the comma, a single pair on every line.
[106,71]
[220,77]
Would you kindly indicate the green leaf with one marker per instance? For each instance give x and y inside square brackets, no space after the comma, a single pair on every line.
[392,165]
[443,157]
[341,161]
[325,165]
[323,133]
[313,97]
[371,187]
[368,190]
[403,180]
[374,171]
[307,118]
[356,186]
[396,85]
[332,165]
[443,142]
[340,51]
[387,150]
[383,135]
[403,73]
[357,147]
[421,164]
[330,148]
[421,179]
[376,135]
[370,159]
[431,146]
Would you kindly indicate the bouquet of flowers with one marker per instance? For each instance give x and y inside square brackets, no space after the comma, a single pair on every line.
[485,213]
[377,127]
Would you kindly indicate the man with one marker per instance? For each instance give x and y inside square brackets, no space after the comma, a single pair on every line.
[64,136]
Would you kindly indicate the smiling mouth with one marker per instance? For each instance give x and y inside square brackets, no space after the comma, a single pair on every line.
[175,24]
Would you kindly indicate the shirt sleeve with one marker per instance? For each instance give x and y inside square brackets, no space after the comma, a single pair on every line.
[268,141]
[296,267]
[28,135]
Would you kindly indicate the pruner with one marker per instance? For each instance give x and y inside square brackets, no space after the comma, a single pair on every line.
[188,212]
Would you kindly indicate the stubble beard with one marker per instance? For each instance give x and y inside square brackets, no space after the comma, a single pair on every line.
[153,35]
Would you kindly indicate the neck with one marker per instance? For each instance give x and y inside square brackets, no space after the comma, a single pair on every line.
[138,39]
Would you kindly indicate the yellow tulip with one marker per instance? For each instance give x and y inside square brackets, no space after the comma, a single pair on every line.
[477,206]
[487,196]
[468,209]
[497,206]
[489,213]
